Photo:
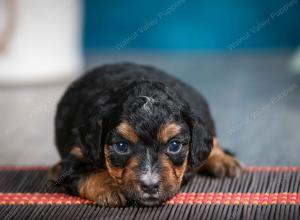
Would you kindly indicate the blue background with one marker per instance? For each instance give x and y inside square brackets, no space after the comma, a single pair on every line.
[194,25]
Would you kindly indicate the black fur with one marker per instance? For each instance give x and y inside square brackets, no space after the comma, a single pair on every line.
[95,103]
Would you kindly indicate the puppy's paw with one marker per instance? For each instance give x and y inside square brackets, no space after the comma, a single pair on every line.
[102,189]
[111,197]
[54,172]
[222,165]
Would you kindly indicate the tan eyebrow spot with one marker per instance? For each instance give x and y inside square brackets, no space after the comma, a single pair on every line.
[128,132]
[167,131]
[76,151]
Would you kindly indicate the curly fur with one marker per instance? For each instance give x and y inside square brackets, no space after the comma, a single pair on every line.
[144,96]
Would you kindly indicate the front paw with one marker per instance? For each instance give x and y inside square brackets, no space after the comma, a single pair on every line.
[54,172]
[222,165]
[102,189]
[111,198]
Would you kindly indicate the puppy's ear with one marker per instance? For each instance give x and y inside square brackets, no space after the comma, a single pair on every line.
[90,139]
[201,138]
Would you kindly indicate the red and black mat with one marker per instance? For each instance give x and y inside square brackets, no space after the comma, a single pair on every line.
[261,193]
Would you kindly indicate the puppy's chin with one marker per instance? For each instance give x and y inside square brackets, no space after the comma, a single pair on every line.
[157,199]
[150,199]
[150,202]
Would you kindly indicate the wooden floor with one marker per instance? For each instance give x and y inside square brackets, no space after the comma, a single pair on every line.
[254,99]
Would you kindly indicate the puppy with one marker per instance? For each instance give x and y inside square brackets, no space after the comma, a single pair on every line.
[131,134]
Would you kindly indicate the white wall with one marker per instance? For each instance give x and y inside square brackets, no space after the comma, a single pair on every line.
[45,44]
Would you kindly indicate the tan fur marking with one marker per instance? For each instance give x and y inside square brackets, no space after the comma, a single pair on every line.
[129,172]
[216,150]
[127,132]
[100,187]
[53,173]
[76,151]
[220,164]
[167,131]
[116,173]
[179,171]
[94,184]
[170,168]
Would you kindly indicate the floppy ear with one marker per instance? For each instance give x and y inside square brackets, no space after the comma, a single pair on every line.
[90,139]
[201,139]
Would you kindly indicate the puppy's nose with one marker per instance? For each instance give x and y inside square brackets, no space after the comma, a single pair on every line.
[149,187]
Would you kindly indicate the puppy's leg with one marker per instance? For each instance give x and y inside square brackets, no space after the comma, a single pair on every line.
[54,172]
[221,164]
[100,187]
[78,176]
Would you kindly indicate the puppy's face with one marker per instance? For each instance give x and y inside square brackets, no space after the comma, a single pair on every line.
[148,141]
[148,167]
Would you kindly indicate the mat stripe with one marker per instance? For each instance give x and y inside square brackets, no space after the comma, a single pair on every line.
[236,198]
[23,168]
[181,198]
[248,168]
[273,168]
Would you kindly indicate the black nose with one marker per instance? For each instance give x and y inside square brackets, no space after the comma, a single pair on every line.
[150,188]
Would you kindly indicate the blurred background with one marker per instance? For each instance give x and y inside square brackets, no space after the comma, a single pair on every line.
[243,56]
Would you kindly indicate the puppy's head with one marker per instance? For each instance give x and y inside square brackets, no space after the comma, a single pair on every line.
[151,141]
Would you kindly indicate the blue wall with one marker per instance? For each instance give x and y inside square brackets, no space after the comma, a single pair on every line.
[191,24]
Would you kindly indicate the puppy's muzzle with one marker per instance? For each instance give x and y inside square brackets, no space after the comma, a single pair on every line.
[149,183]
[150,188]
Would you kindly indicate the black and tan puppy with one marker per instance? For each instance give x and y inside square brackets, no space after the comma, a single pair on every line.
[129,133]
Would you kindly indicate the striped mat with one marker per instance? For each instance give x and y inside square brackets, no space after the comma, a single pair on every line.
[261,193]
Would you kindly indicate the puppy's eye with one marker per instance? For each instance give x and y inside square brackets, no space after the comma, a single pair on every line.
[174,146]
[122,147]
